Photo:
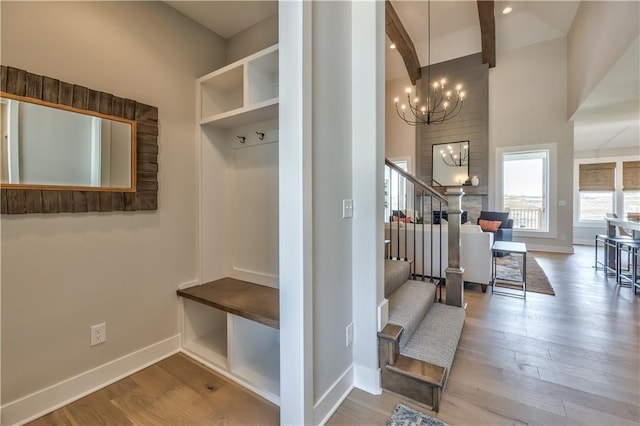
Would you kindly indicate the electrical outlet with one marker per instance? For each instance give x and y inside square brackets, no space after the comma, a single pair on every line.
[98,333]
[349,333]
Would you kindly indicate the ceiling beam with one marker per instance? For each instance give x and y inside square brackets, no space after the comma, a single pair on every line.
[487,31]
[399,36]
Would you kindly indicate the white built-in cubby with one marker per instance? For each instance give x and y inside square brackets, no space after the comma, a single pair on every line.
[243,92]
[237,110]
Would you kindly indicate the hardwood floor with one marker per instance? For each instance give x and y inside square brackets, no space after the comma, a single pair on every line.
[175,391]
[572,358]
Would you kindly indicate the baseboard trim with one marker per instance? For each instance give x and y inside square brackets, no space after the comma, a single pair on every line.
[329,402]
[254,277]
[188,284]
[550,249]
[367,379]
[44,401]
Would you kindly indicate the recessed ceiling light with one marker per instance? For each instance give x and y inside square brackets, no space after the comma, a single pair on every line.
[392,46]
[507,10]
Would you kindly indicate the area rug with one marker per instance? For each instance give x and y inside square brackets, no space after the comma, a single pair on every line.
[510,267]
[406,416]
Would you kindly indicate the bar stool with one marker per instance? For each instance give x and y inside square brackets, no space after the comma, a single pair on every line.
[609,243]
[632,248]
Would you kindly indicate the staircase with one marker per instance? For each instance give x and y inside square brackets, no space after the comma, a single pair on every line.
[417,346]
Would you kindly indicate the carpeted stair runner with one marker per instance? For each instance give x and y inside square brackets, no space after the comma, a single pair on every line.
[420,340]
[436,339]
[396,272]
[408,306]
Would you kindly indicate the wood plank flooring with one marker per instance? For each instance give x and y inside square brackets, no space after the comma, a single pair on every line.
[175,391]
[567,359]
[573,358]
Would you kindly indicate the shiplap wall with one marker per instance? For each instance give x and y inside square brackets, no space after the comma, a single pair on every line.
[472,123]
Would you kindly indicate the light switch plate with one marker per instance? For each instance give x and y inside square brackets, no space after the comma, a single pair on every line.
[347,208]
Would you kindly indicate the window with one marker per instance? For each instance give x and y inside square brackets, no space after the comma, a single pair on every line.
[395,191]
[606,185]
[594,205]
[596,190]
[631,187]
[525,189]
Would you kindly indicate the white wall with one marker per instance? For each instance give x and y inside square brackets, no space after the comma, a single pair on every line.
[600,34]
[62,273]
[527,106]
[400,138]
[332,179]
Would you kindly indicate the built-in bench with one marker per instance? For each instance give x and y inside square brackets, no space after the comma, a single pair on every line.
[252,301]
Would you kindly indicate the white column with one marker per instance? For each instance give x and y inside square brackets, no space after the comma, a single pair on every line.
[368,92]
[295,214]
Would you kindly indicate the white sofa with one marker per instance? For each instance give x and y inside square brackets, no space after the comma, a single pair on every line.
[475,251]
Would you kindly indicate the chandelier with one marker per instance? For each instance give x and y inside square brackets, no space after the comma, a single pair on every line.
[453,159]
[441,103]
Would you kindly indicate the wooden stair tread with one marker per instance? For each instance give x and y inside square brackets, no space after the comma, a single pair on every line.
[419,370]
[252,301]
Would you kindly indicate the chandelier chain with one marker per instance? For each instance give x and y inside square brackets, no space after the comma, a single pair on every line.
[437,107]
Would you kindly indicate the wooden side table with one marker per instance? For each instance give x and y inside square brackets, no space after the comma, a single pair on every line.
[512,248]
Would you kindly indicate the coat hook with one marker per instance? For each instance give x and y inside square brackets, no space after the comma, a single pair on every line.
[242,138]
[260,135]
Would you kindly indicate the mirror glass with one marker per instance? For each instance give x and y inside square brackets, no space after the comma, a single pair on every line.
[450,163]
[47,145]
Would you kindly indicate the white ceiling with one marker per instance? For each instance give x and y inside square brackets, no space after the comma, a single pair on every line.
[608,118]
[456,29]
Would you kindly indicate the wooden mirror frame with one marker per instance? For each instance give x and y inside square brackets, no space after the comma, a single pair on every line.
[18,82]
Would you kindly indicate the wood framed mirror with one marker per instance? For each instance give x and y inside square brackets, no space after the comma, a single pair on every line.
[97,185]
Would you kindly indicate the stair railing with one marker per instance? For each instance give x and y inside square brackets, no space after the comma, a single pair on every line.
[410,206]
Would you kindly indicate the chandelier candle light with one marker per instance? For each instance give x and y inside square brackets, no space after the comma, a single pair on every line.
[453,159]
[441,103]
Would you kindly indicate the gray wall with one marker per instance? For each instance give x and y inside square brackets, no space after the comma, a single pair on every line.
[63,273]
[253,39]
[470,124]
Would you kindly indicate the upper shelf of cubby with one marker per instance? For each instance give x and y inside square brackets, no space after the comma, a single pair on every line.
[243,92]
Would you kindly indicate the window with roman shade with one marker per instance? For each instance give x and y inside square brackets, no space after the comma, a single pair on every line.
[597,177]
[631,176]
[596,186]
[631,187]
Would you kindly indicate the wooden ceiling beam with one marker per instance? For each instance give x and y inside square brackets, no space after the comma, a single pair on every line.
[487,31]
[399,36]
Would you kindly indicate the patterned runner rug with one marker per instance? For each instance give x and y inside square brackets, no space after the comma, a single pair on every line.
[510,267]
[406,416]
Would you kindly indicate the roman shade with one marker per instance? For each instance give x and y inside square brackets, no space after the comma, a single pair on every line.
[597,177]
[631,175]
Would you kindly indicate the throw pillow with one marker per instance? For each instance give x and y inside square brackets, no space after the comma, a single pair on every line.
[490,225]
[406,219]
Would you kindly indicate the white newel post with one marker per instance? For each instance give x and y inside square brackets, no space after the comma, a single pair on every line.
[455,283]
